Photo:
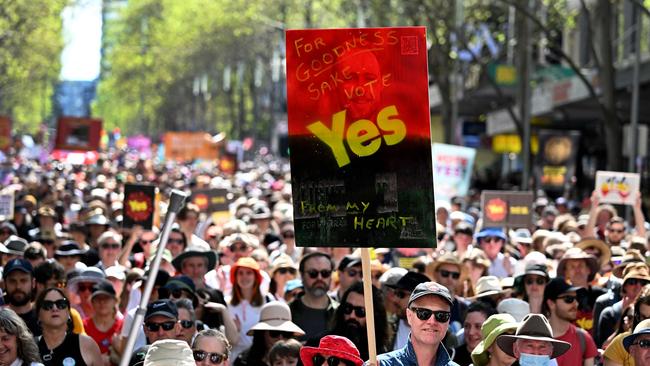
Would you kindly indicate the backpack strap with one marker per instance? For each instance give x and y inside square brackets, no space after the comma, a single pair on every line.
[583,342]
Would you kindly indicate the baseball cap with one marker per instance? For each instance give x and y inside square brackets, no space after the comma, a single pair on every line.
[392,276]
[430,288]
[558,286]
[165,308]
[19,264]
[349,261]
[411,280]
[487,232]
[103,288]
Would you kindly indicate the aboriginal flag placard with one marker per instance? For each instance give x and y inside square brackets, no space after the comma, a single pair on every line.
[74,133]
[139,205]
[359,137]
[507,209]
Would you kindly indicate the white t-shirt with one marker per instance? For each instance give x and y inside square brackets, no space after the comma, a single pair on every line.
[248,316]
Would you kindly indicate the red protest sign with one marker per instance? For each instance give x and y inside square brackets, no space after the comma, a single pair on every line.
[359,137]
[74,133]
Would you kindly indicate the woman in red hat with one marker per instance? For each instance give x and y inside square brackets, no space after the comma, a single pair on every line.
[332,350]
[247,299]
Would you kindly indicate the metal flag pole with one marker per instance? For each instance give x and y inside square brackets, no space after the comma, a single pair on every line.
[175,204]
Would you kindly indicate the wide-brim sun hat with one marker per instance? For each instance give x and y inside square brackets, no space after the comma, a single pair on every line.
[276,315]
[493,327]
[632,256]
[169,352]
[245,262]
[537,328]
[201,250]
[605,252]
[640,329]
[487,286]
[332,345]
[91,274]
[577,253]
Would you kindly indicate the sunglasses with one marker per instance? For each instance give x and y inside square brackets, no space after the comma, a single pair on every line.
[154,327]
[568,299]
[424,314]
[238,248]
[532,281]
[144,242]
[177,241]
[636,281]
[60,304]
[645,343]
[402,294]
[491,239]
[359,311]
[285,270]
[215,358]
[279,333]
[186,324]
[318,360]
[619,231]
[446,274]
[325,273]
[354,272]
[85,287]
[164,293]
[111,246]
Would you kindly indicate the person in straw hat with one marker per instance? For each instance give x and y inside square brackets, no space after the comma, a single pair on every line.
[638,343]
[488,353]
[533,342]
[275,324]
[447,270]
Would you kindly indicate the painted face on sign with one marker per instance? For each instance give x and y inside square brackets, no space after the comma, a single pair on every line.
[360,92]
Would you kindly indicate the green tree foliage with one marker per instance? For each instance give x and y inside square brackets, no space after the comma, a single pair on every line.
[30,46]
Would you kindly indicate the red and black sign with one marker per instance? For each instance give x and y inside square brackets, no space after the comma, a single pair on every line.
[510,209]
[211,200]
[139,205]
[556,159]
[359,136]
[228,163]
[74,133]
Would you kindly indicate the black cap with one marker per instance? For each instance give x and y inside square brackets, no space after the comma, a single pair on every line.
[18,264]
[161,278]
[558,286]
[410,280]
[349,261]
[138,356]
[166,308]
[431,288]
[181,282]
[103,288]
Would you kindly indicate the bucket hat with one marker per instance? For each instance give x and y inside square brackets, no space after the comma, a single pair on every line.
[447,258]
[493,327]
[516,307]
[534,327]
[169,352]
[577,253]
[632,256]
[487,286]
[245,262]
[332,345]
[198,249]
[276,315]
[638,271]
[90,274]
[605,252]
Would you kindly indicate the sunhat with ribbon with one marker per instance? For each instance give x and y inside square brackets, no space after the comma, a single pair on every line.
[487,286]
[537,328]
[276,315]
[493,327]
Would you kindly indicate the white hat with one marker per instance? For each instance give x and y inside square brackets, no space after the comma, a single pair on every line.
[115,272]
[390,277]
[515,307]
[169,352]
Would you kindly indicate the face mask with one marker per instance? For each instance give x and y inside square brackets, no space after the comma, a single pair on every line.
[534,360]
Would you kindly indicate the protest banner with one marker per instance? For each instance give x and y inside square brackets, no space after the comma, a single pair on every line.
[556,159]
[6,205]
[5,133]
[452,169]
[511,209]
[188,146]
[359,137]
[617,187]
[139,205]
[228,163]
[213,201]
[74,133]
[141,144]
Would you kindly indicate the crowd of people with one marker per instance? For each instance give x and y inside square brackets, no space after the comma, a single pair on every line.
[572,289]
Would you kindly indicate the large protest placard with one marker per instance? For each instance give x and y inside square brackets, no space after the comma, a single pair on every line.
[452,169]
[617,187]
[139,205]
[188,146]
[73,133]
[359,137]
[211,199]
[5,133]
[556,159]
[512,209]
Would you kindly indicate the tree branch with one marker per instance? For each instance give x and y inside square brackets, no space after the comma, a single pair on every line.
[642,7]
[590,29]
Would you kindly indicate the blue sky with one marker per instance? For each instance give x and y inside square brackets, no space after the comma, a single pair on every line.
[82,34]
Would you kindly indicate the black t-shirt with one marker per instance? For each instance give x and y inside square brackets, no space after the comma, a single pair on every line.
[31,320]
[462,356]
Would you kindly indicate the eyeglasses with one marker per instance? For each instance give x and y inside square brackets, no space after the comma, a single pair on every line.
[177,241]
[532,281]
[186,324]
[164,293]
[215,358]
[568,299]
[424,314]
[354,272]
[84,287]
[359,311]
[238,248]
[285,270]
[60,304]
[318,360]
[279,333]
[154,327]
[446,274]
[491,239]
[111,246]
[644,343]
[325,273]
[401,294]
[636,281]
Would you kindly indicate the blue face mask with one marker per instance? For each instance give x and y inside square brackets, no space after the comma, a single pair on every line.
[526,359]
